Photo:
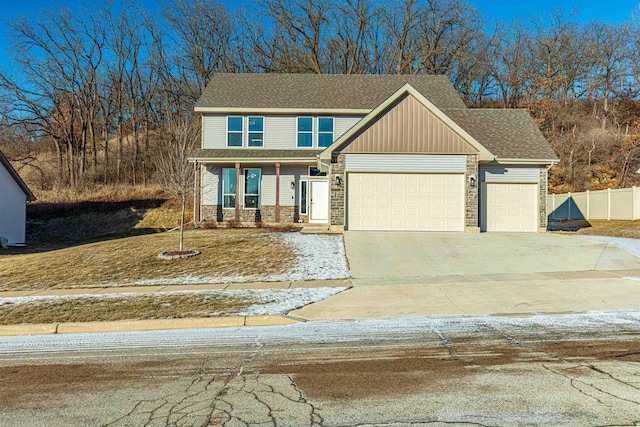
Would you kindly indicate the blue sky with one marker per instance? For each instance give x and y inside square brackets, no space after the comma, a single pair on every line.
[612,11]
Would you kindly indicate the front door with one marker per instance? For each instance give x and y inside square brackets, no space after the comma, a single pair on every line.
[319,202]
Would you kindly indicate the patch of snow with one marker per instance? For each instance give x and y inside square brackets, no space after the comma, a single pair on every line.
[631,246]
[268,301]
[319,257]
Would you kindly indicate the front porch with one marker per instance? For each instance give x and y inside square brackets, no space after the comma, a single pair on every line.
[258,188]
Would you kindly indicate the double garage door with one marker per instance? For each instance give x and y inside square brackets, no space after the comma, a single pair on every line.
[409,202]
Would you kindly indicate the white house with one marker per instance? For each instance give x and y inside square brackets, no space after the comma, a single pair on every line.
[14,195]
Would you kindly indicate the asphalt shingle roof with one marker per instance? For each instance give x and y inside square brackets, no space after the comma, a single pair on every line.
[508,134]
[313,91]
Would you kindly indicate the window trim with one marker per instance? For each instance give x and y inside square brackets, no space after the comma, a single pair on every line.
[298,131]
[249,132]
[241,132]
[333,130]
[228,194]
[306,205]
[244,192]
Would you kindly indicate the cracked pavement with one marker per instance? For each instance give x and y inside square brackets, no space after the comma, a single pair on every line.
[575,370]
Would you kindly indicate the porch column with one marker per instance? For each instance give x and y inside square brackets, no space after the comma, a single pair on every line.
[277,192]
[237,211]
[197,193]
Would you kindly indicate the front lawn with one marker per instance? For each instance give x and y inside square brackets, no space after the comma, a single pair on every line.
[225,253]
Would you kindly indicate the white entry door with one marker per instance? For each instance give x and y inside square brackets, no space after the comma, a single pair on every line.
[319,202]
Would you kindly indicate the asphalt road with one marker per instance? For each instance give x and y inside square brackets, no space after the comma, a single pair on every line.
[581,369]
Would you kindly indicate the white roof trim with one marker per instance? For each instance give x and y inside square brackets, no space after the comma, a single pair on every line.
[238,110]
[292,160]
[526,161]
[483,153]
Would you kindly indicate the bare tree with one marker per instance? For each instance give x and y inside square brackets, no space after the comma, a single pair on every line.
[175,173]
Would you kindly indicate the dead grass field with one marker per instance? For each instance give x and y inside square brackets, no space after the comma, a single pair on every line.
[122,261]
[140,307]
[614,228]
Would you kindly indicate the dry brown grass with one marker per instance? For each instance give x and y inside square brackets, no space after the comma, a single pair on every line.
[139,307]
[594,227]
[105,193]
[127,260]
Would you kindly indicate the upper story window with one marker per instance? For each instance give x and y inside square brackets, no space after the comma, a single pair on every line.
[325,131]
[305,131]
[234,131]
[256,131]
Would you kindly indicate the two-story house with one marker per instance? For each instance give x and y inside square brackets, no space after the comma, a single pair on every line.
[366,152]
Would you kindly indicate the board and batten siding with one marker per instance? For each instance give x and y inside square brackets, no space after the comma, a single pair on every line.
[280,132]
[409,127]
[13,208]
[212,184]
[419,163]
[509,174]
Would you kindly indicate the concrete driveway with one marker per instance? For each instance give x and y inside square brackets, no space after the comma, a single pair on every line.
[374,255]
[445,274]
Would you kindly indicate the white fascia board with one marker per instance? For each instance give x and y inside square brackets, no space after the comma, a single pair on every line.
[504,161]
[331,111]
[483,153]
[293,160]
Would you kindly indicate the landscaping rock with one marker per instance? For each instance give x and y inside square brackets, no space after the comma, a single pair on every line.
[178,254]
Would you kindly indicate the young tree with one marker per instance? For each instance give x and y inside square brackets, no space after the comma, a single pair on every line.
[175,173]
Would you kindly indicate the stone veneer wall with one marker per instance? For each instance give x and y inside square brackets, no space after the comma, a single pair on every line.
[542,200]
[471,193]
[265,213]
[337,193]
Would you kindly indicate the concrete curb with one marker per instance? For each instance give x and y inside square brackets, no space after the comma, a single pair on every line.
[144,325]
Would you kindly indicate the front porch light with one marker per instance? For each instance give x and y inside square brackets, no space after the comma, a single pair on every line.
[472,182]
[338,181]
[293,185]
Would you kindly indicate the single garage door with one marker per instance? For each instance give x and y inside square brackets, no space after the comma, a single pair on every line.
[510,207]
[420,202]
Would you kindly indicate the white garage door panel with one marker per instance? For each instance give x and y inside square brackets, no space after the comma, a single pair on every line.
[421,202]
[511,207]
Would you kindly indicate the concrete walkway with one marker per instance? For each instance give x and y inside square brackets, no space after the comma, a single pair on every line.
[150,289]
[498,294]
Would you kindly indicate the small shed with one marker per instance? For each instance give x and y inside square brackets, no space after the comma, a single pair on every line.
[14,195]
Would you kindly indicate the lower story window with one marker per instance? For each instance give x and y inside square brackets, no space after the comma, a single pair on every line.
[303,197]
[252,188]
[228,188]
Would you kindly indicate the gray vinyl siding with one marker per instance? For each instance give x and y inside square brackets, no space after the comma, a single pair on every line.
[211,186]
[280,132]
[515,174]
[214,131]
[288,196]
[425,163]
[343,124]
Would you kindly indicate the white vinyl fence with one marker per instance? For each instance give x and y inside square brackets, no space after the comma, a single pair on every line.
[623,203]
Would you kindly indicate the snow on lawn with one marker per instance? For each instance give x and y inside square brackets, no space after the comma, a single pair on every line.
[631,246]
[267,301]
[319,257]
